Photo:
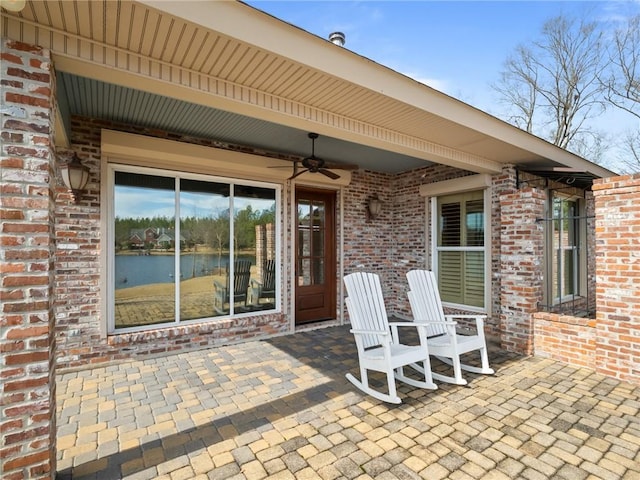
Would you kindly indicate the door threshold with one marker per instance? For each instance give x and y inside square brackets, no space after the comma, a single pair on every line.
[316,325]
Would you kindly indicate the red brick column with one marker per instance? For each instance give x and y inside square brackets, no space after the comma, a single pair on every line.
[617,205]
[27,342]
[521,266]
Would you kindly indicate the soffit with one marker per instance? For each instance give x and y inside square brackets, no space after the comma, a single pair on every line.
[189,52]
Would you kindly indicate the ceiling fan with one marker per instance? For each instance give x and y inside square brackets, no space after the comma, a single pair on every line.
[314,164]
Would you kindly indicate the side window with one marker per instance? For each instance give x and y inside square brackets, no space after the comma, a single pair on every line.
[566,269]
[460,250]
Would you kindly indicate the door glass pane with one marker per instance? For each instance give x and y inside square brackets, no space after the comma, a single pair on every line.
[304,233]
[318,271]
[311,239]
[204,254]
[304,272]
[144,260]
[318,231]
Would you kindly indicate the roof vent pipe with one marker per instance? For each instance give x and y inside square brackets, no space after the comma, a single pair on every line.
[337,38]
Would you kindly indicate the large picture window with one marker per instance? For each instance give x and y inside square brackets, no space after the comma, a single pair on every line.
[189,248]
[460,248]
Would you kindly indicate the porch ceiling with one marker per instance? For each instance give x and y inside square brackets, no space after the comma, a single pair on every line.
[96,99]
[226,71]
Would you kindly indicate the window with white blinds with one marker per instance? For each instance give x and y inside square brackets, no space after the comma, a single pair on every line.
[460,248]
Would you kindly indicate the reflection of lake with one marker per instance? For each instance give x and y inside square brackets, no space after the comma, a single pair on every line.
[134,270]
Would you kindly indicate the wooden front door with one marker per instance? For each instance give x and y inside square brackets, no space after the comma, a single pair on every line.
[315,289]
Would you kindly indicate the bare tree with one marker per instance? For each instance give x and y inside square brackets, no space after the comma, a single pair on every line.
[518,88]
[630,148]
[622,85]
[552,87]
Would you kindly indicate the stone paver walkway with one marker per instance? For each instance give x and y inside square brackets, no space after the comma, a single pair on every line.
[282,409]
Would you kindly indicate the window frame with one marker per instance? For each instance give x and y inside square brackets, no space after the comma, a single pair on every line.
[478,182]
[579,248]
[485,249]
[109,278]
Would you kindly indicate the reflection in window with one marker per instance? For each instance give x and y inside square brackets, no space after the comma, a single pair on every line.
[144,268]
[204,229]
[207,264]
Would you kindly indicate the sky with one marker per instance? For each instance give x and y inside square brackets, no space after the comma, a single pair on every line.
[457,47]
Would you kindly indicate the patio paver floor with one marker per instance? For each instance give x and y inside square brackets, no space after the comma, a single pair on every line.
[282,409]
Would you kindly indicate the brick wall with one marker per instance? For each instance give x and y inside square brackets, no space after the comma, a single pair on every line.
[27,344]
[412,226]
[521,259]
[80,330]
[617,208]
[397,240]
[610,343]
[502,184]
[565,338]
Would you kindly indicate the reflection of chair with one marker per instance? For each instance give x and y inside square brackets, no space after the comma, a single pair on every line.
[444,343]
[266,288]
[241,275]
[379,348]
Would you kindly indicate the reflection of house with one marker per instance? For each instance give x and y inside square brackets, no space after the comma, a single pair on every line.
[142,237]
[136,241]
[153,238]
[173,120]
[164,240]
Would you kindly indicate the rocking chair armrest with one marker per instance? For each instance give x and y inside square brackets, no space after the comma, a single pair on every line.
[417,324]
[368,332]
[480,318]
[454,315]
[406,324]
[255,283]
[435,322]
[421,327]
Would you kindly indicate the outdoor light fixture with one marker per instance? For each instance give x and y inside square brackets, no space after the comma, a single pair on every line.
[374,207]
[13,5]
[75,176]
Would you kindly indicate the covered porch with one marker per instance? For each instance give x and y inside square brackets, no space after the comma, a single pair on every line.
[282,409]
[233,109]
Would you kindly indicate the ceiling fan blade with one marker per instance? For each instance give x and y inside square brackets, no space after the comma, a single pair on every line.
[329,173]
[341,166]
[300,172]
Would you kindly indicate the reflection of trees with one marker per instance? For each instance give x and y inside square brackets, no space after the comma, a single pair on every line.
[212,231]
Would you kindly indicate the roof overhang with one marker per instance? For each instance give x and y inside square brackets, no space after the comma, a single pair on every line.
[225,71]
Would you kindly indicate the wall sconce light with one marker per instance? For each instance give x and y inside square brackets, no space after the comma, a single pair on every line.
[374,207]
[75,176]
[13,5]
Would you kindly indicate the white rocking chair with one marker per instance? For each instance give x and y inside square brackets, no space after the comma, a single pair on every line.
[443,340]
[377,340]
